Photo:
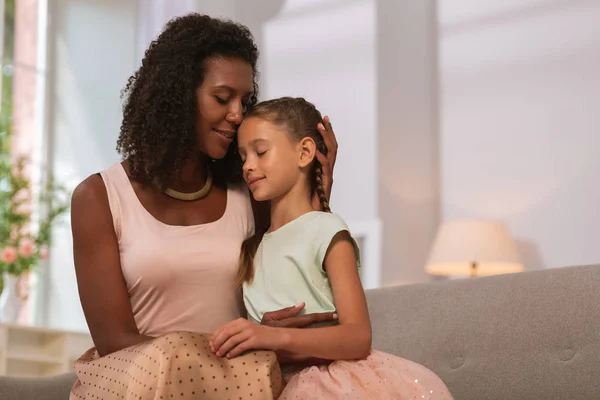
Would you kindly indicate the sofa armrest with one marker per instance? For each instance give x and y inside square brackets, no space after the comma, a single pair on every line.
[51,388]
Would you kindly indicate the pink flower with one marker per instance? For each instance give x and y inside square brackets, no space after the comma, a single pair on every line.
[9,255]
[24,208]
[26,247]
[44,252]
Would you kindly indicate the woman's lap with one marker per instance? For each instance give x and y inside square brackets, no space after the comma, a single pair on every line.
[178,365]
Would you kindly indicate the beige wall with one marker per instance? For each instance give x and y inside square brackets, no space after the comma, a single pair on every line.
[407,136]
[520,134]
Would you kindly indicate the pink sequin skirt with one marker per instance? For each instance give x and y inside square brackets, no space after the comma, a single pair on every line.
[379,376]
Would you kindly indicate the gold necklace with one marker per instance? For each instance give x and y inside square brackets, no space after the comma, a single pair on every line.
[192,196]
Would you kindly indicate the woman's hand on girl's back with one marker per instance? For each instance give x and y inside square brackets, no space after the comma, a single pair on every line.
[241,335]
[289,318]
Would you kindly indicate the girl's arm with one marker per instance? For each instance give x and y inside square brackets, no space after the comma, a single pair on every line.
[351,339]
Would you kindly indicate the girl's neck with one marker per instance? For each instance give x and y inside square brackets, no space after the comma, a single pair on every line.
[192,176]
[290,206]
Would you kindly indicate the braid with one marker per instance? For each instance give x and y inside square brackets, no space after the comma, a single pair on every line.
[319,187]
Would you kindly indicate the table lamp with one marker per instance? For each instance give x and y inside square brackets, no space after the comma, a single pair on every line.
[473,248]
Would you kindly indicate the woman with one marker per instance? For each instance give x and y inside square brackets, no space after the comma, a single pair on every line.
[156,238]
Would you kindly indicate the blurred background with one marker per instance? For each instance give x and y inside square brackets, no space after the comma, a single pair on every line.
[444,110]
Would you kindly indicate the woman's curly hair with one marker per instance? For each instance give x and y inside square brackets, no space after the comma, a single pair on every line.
[158,132]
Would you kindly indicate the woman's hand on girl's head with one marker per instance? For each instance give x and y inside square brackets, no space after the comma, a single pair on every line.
[236,337]
[327,161]
[288,317]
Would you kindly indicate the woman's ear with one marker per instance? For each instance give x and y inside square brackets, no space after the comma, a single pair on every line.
[308,149]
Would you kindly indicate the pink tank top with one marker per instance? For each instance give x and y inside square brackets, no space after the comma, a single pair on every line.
[179,278]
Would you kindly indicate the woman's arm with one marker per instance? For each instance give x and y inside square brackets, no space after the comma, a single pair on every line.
[102,288]
[287,358]
[288,318]
[351,339]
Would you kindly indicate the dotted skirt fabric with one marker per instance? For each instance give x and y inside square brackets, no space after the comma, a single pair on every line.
[379,376]
[176,366]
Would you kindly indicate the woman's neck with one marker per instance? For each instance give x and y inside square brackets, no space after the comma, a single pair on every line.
[192,176]
[290,206]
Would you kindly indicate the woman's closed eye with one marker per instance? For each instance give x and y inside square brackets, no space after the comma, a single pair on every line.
[221,100]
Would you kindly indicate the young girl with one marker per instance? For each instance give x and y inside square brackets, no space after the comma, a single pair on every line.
[306,254]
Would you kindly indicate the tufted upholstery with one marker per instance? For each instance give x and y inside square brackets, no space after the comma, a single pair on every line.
[533,335]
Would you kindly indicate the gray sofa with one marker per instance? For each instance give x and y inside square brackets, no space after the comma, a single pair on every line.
[533,335]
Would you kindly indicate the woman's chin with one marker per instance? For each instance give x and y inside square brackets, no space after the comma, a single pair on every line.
[216,154]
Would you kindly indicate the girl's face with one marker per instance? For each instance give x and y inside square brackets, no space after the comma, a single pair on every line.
[272,163]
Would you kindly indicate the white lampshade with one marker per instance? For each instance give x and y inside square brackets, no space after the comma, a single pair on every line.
[473,247]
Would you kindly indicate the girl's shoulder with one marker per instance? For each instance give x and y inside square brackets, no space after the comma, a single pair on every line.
[326,227]
[329,221]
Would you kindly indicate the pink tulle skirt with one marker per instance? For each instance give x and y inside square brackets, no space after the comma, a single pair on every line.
[379,376]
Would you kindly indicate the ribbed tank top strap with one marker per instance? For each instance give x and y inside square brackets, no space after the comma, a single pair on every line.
[118,191]
[241,206]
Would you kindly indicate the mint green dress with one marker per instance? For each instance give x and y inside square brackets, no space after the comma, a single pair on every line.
[289,270]
[289,266]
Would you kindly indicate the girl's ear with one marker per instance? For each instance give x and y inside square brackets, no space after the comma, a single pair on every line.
[308,149]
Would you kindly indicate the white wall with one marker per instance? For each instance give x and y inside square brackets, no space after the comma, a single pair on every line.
[520,134]
[87,72]
[152,15]
[407,156]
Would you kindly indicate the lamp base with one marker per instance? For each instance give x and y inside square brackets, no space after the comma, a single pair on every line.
[473,273]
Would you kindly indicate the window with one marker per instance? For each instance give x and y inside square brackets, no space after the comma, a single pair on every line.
[22,114]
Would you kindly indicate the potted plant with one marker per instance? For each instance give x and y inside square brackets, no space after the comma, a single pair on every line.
[24,238]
